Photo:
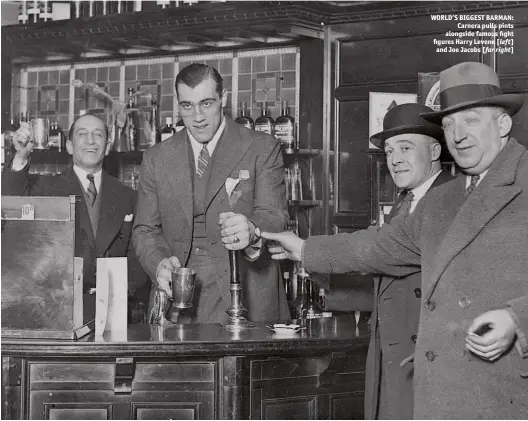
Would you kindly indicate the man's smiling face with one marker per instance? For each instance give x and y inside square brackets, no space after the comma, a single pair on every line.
[89,143]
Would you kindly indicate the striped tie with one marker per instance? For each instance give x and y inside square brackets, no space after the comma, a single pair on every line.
[91,191]
[472,184]
[203,161]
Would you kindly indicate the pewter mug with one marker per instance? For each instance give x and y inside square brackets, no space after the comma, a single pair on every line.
[183,287]
[40,128]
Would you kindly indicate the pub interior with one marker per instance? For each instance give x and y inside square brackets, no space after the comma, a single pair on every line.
[316,75]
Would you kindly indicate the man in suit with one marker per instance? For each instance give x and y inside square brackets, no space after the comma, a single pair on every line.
[413,149]
[469,236]
[106,209]
[209,188]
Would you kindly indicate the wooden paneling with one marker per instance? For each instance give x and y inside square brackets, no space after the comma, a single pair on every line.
[394,58]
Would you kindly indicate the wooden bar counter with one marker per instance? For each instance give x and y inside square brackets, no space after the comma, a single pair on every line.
[200,371]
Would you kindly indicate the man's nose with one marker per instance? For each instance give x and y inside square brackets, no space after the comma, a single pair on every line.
[459,133]
[197,112]
[396,158]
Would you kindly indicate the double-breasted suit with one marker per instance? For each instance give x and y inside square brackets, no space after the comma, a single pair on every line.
[394,328]
[114,230]
[473,255]
[164,221]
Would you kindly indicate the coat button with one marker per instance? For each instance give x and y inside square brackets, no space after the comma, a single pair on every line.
[431,305]
[121,235]
[417,292]
[413,338]
[430,355]
[464,302]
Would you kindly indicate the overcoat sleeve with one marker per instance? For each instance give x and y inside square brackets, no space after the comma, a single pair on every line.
[391,250]
[520,311]
[151,247]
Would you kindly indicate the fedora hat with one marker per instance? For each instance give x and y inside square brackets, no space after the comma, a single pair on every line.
[406,118]
[468,85]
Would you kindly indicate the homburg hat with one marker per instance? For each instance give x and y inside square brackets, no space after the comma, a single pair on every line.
[468,85]
[406,118]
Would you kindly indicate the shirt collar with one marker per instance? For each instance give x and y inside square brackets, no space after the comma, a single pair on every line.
[481,176]
[81,174]
[211,145]
[420,191]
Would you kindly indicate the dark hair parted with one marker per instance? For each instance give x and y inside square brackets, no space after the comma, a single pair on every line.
[194,74]
[72,127]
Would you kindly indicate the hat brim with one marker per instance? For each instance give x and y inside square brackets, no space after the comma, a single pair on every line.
[510,102]
[378,139]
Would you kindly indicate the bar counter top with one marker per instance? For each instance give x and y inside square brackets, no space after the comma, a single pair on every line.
[326,334]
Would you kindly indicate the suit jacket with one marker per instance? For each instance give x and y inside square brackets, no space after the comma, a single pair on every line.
[113,237]
[473,256]
[164,220]
[395,316]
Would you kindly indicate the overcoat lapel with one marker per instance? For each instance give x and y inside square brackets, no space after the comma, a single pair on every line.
[76,188]
[178,170]
[493,193]
[385,281]
[225,157]
[112,213]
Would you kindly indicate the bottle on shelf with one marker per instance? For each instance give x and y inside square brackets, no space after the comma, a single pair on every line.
[155,133]
[168,130]
[54,140]
[285,128]
[244,118]
[322,299]
[314,310]
[264,123]
[301,302]
[293,181]
[289,293]
[132,132]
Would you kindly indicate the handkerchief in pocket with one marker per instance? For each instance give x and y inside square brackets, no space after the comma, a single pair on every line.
[230,185]
[128,218]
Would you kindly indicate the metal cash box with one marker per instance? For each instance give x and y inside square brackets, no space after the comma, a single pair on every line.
[42,285]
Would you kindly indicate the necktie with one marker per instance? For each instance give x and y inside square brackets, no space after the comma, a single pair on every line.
[402,205]
[91,191]
[472,184]
[203,161]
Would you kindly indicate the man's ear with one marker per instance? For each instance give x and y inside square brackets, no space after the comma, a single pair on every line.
[505,124]
[224,98]
[436,151]
[69,146]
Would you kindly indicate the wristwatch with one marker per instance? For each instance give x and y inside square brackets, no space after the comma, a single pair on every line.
[256,234]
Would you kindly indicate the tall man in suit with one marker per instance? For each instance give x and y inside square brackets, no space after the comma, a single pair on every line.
[469,236]
[413,149]
[209,188]
[106,209]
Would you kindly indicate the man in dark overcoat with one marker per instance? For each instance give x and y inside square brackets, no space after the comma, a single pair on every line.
[413,149]
[470,239]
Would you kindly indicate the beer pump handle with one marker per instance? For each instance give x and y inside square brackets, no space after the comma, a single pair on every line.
[233,264]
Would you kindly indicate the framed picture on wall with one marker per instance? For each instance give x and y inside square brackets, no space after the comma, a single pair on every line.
[379,104]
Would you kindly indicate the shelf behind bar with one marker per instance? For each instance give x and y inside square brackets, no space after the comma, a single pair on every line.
[305,203]
[301,152]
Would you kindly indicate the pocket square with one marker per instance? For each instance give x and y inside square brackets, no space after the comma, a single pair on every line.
[243,174]
[230,185]
[128,218]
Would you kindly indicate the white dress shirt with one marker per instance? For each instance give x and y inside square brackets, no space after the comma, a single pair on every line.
[84,180]
[419,192]
[481,176]
[211,145]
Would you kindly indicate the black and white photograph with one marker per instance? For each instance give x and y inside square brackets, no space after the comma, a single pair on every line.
[239,210]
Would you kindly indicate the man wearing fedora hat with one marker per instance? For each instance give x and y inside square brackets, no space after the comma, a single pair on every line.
[413,149]
[470,239]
